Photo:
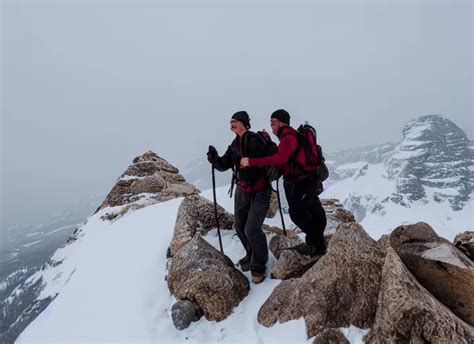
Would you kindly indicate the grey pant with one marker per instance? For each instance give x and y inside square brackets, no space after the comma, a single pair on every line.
[250,212]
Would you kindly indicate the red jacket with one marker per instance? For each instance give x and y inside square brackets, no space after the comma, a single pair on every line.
[286,147]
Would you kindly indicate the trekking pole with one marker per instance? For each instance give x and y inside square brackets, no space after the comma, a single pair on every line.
[215,208]
[279,206]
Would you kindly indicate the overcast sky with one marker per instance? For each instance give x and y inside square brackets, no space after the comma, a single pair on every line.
[88,85]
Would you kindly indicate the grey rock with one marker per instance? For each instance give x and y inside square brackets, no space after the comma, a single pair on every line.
[339,290]
[289,263]
[149,180]
[201,273]
[437,265]
[196,215]
[184,312]
[330,336]
[278,242]
[408,313]
[465,243]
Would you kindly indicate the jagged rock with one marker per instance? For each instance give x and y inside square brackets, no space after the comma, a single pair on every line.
[330,336]
[278,242]
[335,215]
[273,208]
[289,263]
[279,231]
[339,290]
[196,215]
[201,273]
[408,313]
[184,312]
[150,179]
[465,243]
[438,265]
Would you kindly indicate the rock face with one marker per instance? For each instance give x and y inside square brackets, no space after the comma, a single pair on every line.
[435,153]
[340,289]
[202,274]
[184,312]
[438,265]
[150,179]
[407,313]
[196,215]
[465,243]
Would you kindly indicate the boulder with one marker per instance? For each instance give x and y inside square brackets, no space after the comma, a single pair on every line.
[408,313]
[465,243]
[280,241]
[202,274]
[438,265]
[339,290]
[149,180]
[289,263]
[196,215]
[184,312]
[330,336]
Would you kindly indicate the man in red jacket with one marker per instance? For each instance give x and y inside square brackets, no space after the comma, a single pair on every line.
[305,207]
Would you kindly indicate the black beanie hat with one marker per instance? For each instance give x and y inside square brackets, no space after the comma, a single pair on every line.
[242,116]
[282,116]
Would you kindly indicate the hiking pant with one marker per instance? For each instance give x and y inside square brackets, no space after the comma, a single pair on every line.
[306,210]
[250,212]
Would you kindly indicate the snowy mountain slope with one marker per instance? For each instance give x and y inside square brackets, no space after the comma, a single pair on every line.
[23,252]
[428,176]
[113,288]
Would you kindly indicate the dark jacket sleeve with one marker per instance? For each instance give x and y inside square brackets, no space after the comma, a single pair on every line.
[226,161]
[256,147]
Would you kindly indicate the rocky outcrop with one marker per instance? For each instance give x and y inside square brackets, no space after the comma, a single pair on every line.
[434,152]
[335,214]
[202,274]
[150,179]
[438,265]
[196,214]
[408,313]
[465,243]
[339,290]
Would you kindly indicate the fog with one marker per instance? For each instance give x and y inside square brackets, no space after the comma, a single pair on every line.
[88,85]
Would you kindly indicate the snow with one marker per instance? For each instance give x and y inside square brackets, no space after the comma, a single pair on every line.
[112,287]
[443,253]
[32,243]
[372,192]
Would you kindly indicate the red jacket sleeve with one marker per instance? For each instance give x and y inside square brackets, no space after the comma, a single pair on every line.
[286,147]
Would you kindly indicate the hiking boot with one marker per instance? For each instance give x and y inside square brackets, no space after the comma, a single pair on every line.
[257,278]
[244,264]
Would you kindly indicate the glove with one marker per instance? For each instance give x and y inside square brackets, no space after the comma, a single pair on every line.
[212,155]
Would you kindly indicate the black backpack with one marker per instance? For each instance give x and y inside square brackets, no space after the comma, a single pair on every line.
[271,148]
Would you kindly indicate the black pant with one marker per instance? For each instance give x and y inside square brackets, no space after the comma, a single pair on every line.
[250,212]
[306,210]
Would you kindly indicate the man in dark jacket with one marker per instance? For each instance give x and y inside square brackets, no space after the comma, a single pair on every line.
[252,196]
[305,207]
